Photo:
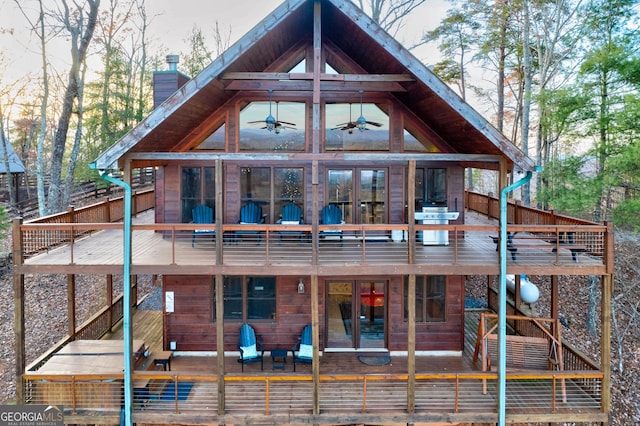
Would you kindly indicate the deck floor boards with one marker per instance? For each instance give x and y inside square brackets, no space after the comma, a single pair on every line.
[150,249]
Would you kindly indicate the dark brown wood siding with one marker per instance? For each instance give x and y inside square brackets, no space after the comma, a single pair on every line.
[172,194]
[159,196]
[446,336]
[192,326]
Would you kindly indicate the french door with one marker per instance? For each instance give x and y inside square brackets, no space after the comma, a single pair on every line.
[356,314]
[359,193]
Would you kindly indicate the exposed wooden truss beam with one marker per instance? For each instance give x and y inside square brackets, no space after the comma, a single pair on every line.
[325,85]
[323,76]
[353,157]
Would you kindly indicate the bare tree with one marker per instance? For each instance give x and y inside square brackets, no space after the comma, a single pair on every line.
[389,14]
[38,27]
[80,25]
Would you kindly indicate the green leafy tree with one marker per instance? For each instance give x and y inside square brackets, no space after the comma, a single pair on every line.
[604,78]
[456,34]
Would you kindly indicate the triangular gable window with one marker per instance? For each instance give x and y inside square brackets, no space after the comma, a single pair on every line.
[215,141]
[415,140]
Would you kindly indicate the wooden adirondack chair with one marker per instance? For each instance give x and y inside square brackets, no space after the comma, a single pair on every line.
[331,215]
[303,350]
[202,214]
[251,348]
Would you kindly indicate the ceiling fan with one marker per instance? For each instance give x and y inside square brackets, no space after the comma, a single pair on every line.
[272,123]
[360,123]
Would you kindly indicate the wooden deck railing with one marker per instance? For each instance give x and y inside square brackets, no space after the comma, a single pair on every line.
[159,394]
[517,213]
[174,244]
[106,211]
[92,329]
[573,359]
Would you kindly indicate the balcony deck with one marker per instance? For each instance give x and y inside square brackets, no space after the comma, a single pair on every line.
[169,248]
[446,387]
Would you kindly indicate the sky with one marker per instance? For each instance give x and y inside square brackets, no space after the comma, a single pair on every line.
[171,22]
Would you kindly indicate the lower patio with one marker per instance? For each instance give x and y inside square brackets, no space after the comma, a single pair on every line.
[445,388]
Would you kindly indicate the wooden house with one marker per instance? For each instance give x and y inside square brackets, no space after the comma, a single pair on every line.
[317,106]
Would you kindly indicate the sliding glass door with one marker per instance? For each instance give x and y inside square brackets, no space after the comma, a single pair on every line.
[356,314]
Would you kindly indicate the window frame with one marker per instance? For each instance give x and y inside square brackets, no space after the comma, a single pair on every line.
[245,298]
[426,287]
[270,200]
[206,193]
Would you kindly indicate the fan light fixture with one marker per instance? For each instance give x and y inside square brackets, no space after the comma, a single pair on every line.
[270,121]
[361,122]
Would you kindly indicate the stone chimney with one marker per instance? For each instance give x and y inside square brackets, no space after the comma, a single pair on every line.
[165,83]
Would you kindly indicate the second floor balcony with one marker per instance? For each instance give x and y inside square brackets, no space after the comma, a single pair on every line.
[288,249]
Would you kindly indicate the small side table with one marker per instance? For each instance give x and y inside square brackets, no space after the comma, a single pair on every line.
[278,358]
[163,359]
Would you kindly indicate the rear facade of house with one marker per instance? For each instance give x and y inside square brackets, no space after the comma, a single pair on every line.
[318,107]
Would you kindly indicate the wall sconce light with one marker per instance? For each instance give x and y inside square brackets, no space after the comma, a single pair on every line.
[300,286]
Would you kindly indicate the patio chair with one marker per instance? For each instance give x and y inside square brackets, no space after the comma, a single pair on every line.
[291,215]
[331,215]
[202,214]
[250,213]
[303,350]
[251,348]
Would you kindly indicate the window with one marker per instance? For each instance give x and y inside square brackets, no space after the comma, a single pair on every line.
[197,186]
[431,292]
[288,187]
[249,298]
[342,133]
[288,134]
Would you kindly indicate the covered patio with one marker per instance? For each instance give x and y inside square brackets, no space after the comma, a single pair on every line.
[445,387]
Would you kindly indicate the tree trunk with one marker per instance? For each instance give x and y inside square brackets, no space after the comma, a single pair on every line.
[79,45]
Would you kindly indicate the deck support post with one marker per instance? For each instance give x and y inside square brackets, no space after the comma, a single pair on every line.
[134,290]
[109,291]
[219,289]
[411,197]
[411,345]
[18,295]
[315,365]
[555,297]
[411,326]
[71,306]
[605,341]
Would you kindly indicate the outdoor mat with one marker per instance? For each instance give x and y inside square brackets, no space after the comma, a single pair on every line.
[375,359]
[169,393]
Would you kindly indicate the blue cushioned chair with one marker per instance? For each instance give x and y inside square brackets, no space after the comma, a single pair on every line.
[202,214]
[303,350]
[250,213]
[251,349]
[331,215]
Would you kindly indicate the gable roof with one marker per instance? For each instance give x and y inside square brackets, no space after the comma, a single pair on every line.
[354,45]
[15,163]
